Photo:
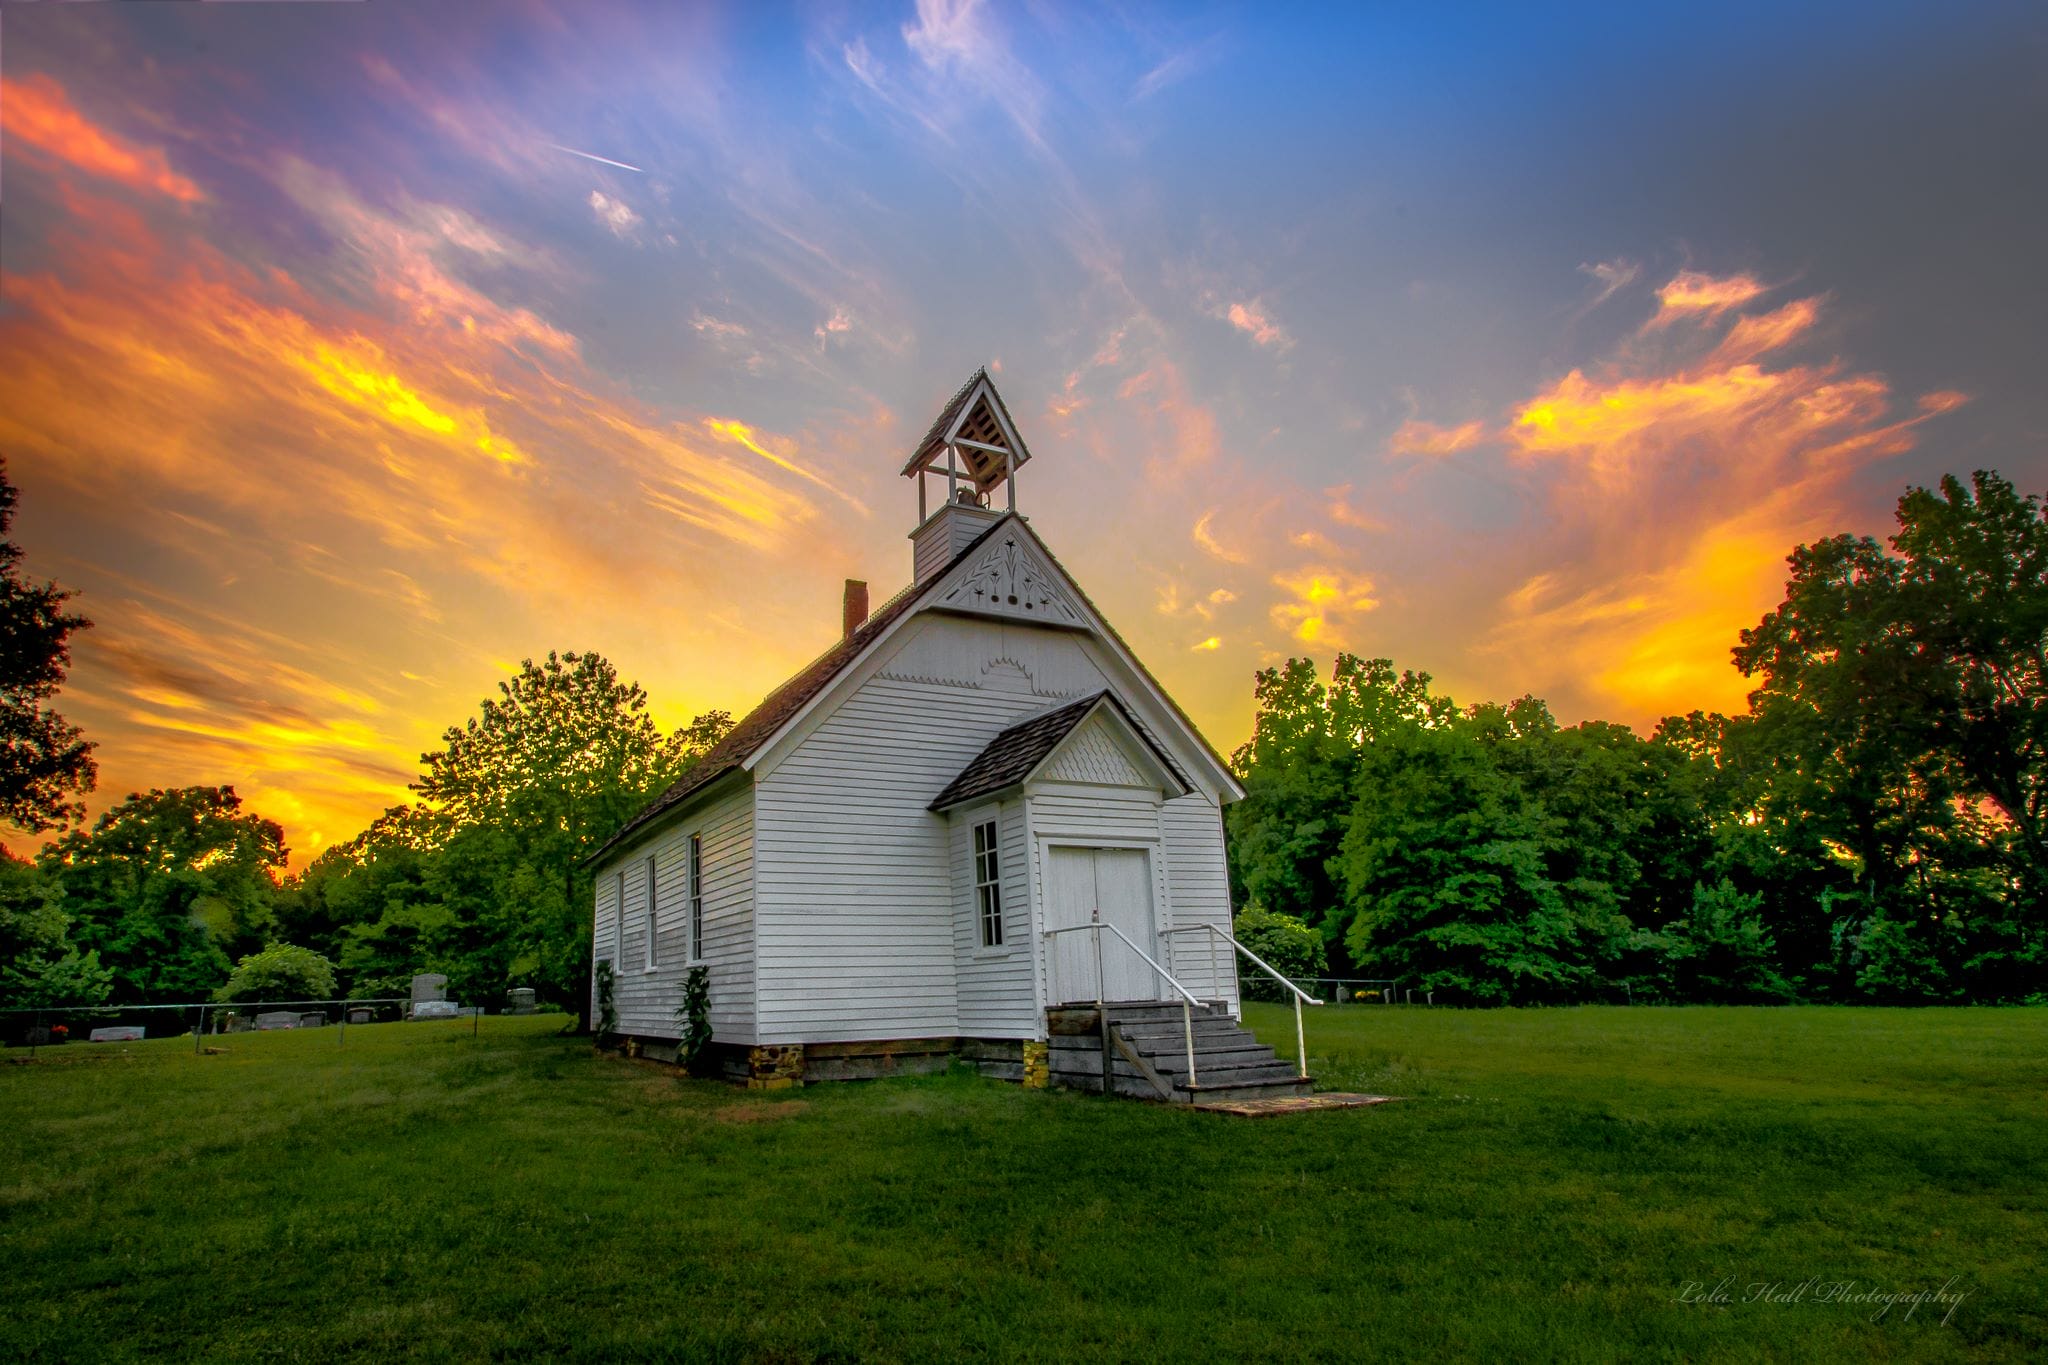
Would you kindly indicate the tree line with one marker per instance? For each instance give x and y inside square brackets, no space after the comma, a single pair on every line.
[182,894]
[1871,829]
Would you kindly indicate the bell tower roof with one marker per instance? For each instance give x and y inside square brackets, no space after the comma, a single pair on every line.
[972,440]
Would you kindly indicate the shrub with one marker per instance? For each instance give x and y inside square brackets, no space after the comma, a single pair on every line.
[1290,945]
[280,972]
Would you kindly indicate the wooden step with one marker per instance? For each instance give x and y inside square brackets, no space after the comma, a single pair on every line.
[1234,1091]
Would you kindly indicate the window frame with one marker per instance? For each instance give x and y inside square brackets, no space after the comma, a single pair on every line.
[618,956]
[651,957]
[695,888]
[985,850]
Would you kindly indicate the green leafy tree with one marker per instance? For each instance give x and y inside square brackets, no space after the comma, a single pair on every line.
[45,761]
[1448,869]
[40,966]
[282,972]
[355,883]
[562,757]
[1902,720]
[166,885]
[1298,771]
[1722,952]
[1290,947]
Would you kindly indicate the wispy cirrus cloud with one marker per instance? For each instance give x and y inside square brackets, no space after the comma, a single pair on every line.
[1612,277]
[37,111]
[414,450]
[1696,294]
[1417,437]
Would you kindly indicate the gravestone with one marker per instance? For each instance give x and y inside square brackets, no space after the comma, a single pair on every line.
[117,1033]
[275,1019]
[522,1000]
[240,1023]
[361,1016]
[313,1019]
[429,986]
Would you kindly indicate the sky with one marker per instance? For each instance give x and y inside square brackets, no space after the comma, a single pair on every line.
[352,353]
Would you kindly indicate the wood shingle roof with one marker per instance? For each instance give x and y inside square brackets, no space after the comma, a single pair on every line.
[774,711]
[1014,754]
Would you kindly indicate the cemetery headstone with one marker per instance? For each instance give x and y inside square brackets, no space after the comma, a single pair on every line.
[117,1033]
[429,986]
[275,1019]
[361,1015]
[313,1019]
[522,1000]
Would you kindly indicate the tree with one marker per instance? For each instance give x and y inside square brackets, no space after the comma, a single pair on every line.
[560,759]
[166,885]
[40,965]
[1903,713]
[283,973]
[1448,868]
[1298,770]
[45,761]
[353,884]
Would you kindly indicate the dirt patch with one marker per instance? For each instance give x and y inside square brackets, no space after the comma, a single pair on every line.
[760,1111]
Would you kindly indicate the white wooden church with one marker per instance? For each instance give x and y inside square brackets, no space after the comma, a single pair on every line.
[889,862]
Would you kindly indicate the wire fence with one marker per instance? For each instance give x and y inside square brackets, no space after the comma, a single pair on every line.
[1362,990]
[53,1025]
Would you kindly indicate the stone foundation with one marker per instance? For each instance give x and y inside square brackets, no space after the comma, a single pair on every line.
[784,1066]
[775,1066]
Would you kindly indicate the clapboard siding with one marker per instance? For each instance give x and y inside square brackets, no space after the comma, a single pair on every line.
[861,932]
[1122,813]
[646,1000]
[858,914]
[1200,889]
[997,996]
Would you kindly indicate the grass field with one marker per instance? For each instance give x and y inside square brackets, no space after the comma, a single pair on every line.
[1549,1187]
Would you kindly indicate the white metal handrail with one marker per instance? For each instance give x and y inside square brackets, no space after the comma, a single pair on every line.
[1300,996]
[1187,997]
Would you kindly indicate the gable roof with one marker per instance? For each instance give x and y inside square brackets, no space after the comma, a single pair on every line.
[787,703]
[936,435]
[1015,754]
[775,710]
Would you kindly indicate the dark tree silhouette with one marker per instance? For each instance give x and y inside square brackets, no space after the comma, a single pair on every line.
[45,762]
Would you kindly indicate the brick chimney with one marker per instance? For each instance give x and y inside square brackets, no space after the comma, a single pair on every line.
[854,612]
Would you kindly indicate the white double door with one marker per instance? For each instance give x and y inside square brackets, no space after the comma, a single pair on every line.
[1118,883]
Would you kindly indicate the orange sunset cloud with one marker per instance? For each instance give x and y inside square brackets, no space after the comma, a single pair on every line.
[37,111]
[409,470]
[1678,495]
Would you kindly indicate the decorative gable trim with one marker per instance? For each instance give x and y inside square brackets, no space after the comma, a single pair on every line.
[1008,578]
[917,600]
[1093,756]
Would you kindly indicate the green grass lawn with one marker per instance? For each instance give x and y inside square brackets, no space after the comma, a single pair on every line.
[1552,1182]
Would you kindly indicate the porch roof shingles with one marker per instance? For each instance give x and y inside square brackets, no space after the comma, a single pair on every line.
[1010,756]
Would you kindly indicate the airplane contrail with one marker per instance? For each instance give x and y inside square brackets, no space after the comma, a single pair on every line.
[592,156]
